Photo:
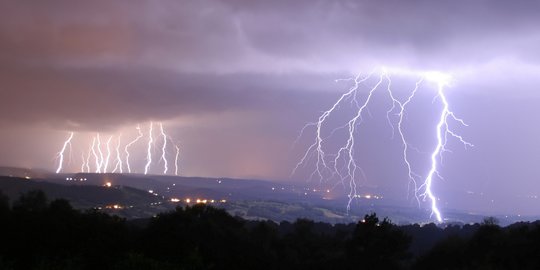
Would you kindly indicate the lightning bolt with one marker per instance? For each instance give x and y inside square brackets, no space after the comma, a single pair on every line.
[126,148]
[412,176]
[88,160]
[149,150]
[95,154]
[60,154]
[347,151]
[442,132]
[83,165]
[107,158]
[164,147]
[118,165]
[102,154]
[176,160]
[344,166]
[100,160]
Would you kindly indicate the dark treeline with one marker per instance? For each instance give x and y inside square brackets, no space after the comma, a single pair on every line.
[37,234]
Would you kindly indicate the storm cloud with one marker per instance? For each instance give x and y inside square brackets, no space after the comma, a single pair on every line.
[142,56]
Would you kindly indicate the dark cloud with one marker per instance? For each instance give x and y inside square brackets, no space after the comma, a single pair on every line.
[96,98]
[134,60]
[253,36]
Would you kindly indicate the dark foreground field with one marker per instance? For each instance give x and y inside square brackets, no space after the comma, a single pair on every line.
[41,234]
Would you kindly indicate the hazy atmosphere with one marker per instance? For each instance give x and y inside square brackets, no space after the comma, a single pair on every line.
[234,82]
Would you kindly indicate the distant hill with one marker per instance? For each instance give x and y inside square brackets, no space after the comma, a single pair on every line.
[146,195]
[130,202]
[136,203]
[178,186]
[24,172]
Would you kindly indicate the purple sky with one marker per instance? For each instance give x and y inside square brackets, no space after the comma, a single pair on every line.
[235,81]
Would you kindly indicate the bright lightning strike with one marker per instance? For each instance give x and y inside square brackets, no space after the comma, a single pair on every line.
[83,164]
[60,154]
[94,153]
[88,159]
[344,166]
[100,159]
[107,158]
[176,159]
[442,132]
[163,153]
[118,165]
[126,148]
[149,150]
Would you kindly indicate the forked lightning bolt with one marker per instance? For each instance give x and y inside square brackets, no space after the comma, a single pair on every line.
[401,107]
[149,149]
[96,156]
[176,159]
[88,159]
[163,149]
[343,165]
[442,132]
[101,155]
[60,154]
[118,166]
[126,148]
[83,164]
[108,156]
[99,161]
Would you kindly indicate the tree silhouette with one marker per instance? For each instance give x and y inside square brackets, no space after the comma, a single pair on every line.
[4,204]
[33,201]
[36,234]
[377,244]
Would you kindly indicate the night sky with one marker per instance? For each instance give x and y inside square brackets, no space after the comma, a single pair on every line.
[234,82]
